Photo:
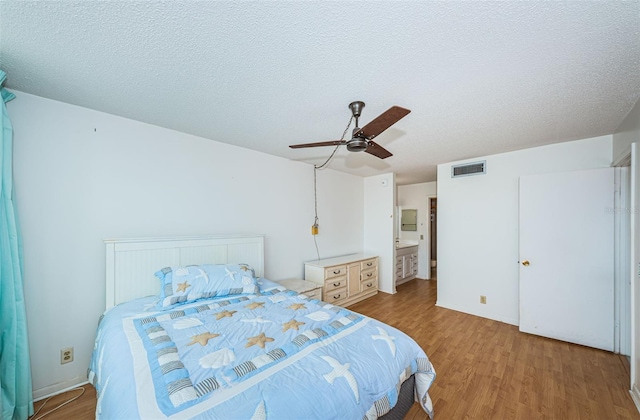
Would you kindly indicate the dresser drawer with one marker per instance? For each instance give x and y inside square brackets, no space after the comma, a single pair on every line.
[369,274]
[331,272]
[369,284]
[335,283]
[335,296]
[314,294]
[367,264]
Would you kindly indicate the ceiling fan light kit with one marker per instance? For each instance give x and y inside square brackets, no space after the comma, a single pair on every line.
[362,138]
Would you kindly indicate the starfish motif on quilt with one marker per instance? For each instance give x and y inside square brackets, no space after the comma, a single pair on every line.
[203,338]
[291,325]
[297,306]
[258,340]
[182,287]
[244,267]
[224,314]
[255,305]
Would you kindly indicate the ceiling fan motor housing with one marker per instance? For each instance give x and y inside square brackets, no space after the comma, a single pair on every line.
[357,144]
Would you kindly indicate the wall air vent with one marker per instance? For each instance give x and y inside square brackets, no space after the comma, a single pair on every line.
[466,169]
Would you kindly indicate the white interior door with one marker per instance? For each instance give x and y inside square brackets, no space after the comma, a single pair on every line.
[567,256]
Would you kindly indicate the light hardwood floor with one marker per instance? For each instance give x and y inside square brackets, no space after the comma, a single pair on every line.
[489,370]
[485,369]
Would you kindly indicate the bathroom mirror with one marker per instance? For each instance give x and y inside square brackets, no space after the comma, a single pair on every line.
[409,219]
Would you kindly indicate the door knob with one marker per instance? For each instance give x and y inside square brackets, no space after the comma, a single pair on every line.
[525,263]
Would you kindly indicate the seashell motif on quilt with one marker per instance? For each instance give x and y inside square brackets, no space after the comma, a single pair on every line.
[185,323]
[318,316]
[181,272]
[217,359]
[247,281]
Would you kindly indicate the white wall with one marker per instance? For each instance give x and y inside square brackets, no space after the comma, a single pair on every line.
[379,202]
[82,176]
[629,132]
[415,196]
[478,224]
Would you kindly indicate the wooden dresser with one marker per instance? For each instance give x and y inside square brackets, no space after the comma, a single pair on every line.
[345,280]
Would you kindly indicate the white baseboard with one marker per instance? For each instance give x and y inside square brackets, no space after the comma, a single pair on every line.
[635,396]
[482,314]
[59,387]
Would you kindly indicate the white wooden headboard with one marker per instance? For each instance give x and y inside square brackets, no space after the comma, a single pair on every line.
[131,263]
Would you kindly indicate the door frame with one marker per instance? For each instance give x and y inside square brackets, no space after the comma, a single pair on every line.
[627,158]
[622,259]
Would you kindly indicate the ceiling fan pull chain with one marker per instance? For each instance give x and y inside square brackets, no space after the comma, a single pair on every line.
[315,186]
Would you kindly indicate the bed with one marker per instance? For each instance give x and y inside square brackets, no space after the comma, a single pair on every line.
[193,330]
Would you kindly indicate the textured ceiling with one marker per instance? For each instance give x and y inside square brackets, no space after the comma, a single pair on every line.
[479,77]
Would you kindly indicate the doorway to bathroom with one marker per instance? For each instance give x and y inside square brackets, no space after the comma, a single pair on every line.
[433,239]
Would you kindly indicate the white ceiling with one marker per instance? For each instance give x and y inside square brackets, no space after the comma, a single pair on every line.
[479,77]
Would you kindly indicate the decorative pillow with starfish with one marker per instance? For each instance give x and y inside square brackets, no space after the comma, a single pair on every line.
[186,284]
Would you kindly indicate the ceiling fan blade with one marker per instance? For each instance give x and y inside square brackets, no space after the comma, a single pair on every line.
[382,122]
[319,144]
[376,150]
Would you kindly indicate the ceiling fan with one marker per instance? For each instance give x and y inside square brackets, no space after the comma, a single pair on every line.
[362,138]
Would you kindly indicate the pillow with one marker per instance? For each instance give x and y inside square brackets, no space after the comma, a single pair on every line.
[194,282]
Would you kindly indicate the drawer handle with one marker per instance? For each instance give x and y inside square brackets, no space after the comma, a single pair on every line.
[369,284]
[337,297]
[369,274]
[336,284]
[336,271]
[369,264]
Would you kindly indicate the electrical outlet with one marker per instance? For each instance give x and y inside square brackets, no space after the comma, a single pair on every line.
[66,355]
[483,299]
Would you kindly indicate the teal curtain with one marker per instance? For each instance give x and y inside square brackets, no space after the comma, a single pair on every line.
[15,368]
